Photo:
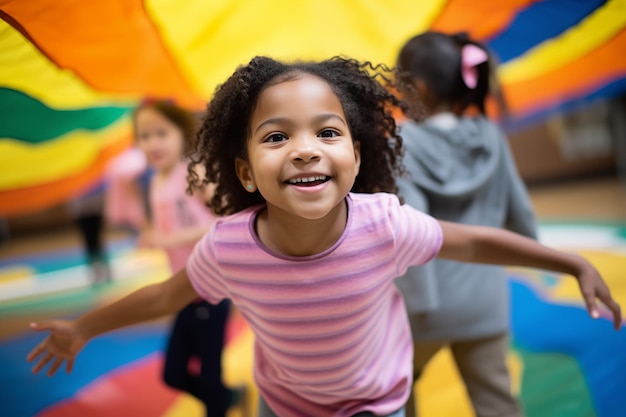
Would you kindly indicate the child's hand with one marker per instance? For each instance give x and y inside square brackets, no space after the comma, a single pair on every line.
[62,344]
[592,286]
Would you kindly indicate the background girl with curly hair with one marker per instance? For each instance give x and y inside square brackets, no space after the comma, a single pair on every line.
[303,157]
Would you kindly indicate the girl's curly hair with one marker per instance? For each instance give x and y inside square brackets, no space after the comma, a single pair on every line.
[367,104]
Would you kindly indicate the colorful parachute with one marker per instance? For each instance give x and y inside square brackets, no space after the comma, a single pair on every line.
[71,71]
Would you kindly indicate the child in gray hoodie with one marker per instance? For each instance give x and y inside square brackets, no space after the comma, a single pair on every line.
[460,170]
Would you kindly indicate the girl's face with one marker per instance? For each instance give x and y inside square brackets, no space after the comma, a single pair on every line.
[159,138]
[301,156]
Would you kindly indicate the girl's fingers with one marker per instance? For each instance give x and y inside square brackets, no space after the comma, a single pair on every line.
[55,366]
[69,365]
[43,362]
[616,310]
[40,327]
[592,307]
[604,295]
[41,347]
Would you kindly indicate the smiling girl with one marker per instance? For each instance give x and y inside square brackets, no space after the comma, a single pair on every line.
[304,158]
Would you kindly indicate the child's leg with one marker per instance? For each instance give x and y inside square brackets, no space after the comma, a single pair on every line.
[482,364]
[198,332]
[178,353]
[210,335]
[90,226]
[423,352]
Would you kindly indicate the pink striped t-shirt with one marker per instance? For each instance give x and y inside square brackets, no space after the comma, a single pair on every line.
[332,335]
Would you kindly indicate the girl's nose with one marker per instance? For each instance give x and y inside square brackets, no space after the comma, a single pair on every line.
[305,149]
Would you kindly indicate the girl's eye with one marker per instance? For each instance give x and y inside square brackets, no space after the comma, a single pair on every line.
[276,137]
[328,133]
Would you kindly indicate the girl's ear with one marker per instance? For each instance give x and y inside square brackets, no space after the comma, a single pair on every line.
[244,173]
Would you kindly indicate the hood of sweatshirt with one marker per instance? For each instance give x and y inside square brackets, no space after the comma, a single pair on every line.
[452,156]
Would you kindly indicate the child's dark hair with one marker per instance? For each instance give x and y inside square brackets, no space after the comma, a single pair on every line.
[367,104]
[435,58]
[182,118]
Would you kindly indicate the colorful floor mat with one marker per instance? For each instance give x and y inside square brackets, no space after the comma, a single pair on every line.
[563,363]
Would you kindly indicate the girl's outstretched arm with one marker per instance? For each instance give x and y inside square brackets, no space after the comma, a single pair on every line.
[67,337]
[488,245]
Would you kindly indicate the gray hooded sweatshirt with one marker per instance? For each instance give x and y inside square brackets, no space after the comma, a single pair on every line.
[461,170]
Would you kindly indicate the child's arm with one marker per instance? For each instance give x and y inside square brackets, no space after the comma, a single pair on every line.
[67,337]
[494,246]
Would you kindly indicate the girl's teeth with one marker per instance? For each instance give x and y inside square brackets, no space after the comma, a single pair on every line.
[308,179]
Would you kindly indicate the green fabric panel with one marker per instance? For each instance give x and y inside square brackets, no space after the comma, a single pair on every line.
[29,120]
[553,385]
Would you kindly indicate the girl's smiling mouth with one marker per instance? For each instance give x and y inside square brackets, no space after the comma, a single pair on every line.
[308,181]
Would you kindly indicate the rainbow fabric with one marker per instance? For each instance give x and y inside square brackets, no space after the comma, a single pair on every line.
[70,71]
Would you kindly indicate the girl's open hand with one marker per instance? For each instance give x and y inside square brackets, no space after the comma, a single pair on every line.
[592,287]
[62,345]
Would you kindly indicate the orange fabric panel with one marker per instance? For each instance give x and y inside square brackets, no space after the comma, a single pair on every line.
[111,45]
[31,199]
[480,19]
[581,76]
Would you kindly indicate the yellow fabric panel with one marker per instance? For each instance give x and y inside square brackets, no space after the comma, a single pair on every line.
[516,369]
[599,27]
[16,273]
[185,405]
[238,363]
[23,67]
[226,34]
[441,388]
[23,164]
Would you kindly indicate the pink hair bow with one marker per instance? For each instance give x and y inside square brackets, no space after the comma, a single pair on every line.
[471,55]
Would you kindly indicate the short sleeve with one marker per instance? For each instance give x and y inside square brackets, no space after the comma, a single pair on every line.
[204,272]
[417,236]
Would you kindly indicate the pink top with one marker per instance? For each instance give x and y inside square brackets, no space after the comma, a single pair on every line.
[123,205]
[332,335]
[174,210]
